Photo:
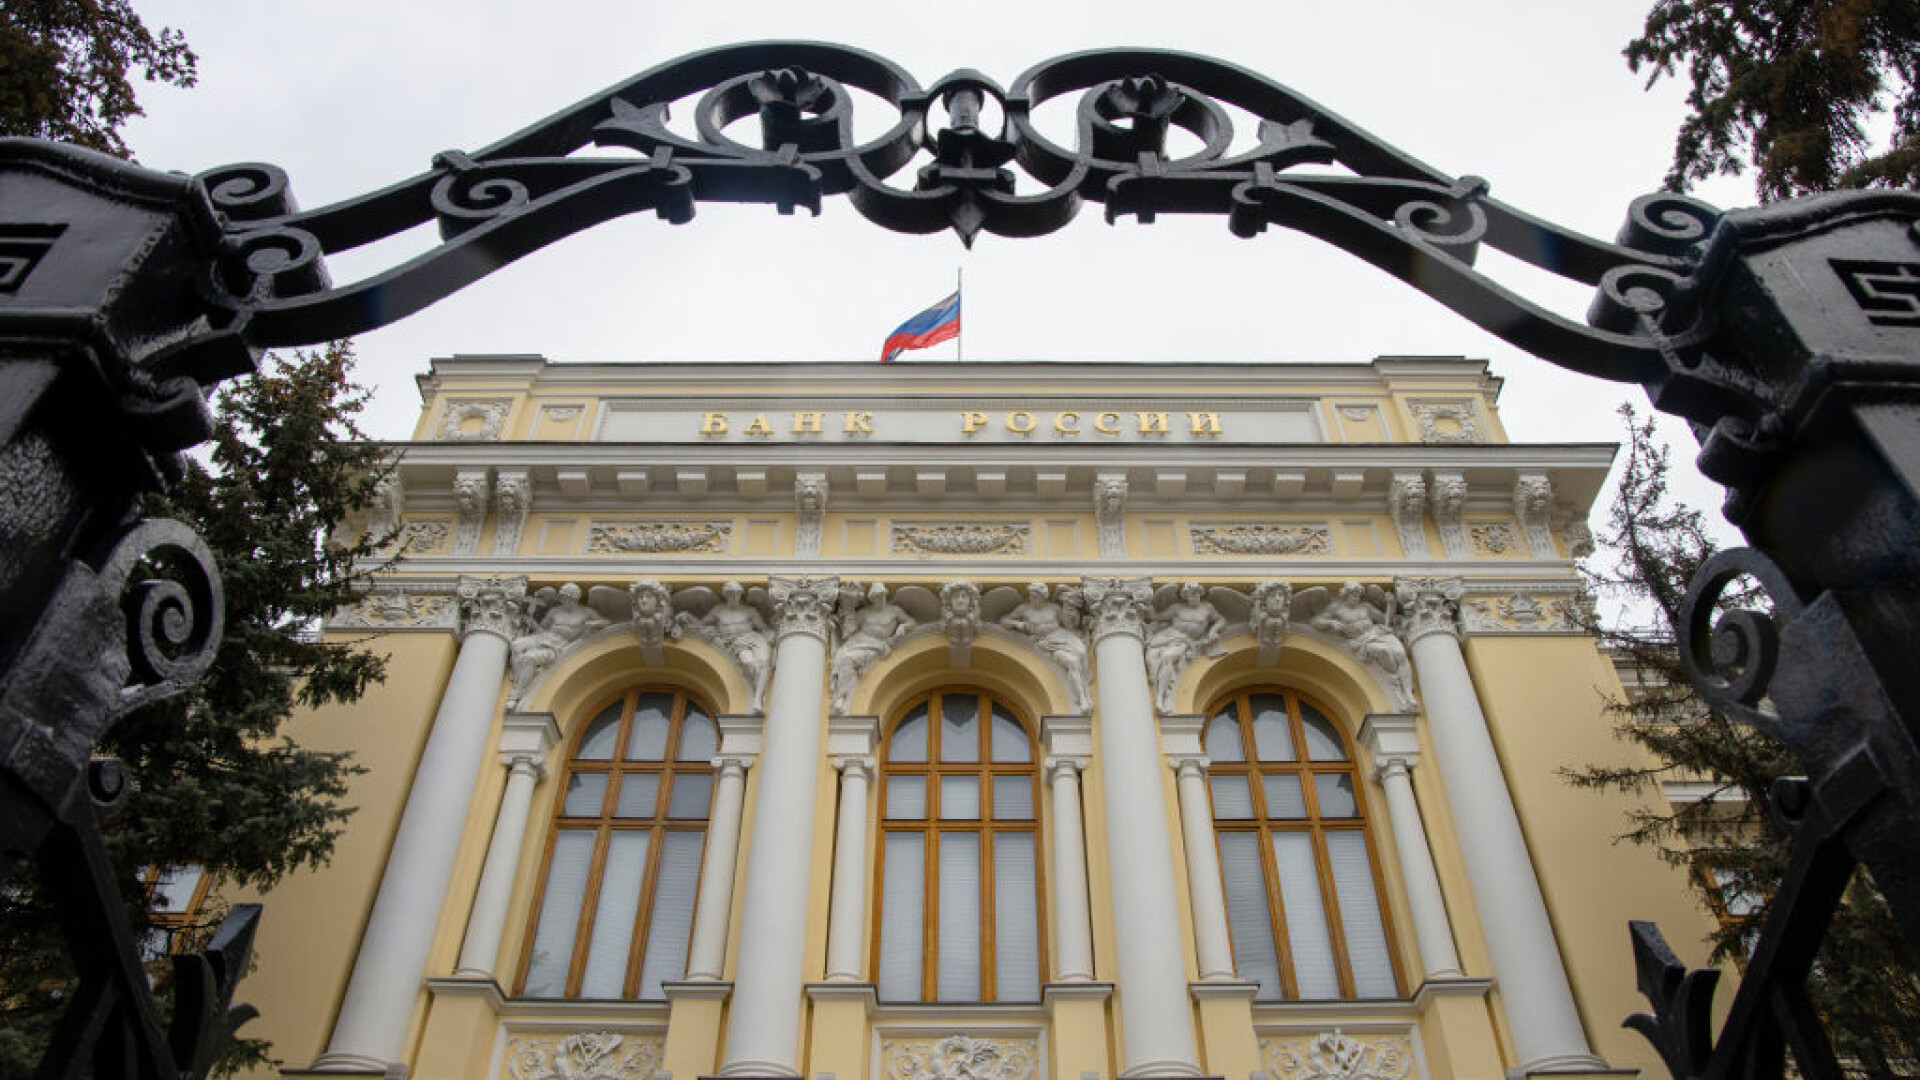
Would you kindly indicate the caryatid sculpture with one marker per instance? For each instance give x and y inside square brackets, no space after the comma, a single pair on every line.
[867,632]
[736,626]
[1188,624]
[1360,618]
[1053,628]
[553,621]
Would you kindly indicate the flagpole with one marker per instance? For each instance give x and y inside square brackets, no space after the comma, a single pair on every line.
[959,336]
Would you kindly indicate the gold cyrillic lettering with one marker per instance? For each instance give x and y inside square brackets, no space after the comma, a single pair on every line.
[1152,423]
[1020,422]
[1107,423]
[1061,424]
[971,422]
[858,423]
[713,423]
[759,426]
[1204,423]
[807,423]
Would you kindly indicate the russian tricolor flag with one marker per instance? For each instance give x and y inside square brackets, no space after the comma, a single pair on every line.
[939,323]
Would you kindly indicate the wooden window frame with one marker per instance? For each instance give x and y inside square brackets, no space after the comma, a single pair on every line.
[605,824]
[1262,826]
[932,827]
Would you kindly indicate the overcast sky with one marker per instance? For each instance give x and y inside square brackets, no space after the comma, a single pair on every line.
[351,95]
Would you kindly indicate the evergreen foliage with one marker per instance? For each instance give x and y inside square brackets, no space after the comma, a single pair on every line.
[66,69]
[1865,982]
[1794,84]
[218,785]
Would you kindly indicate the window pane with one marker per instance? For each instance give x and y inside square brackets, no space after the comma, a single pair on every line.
[559,913]
[690,794]
[1009,738]
[1335,792]
[596,744]
[1013,798]
[1272,734]
[958,960]
[1284,797]
[907,797]
[1307,937]
[606,975]
[651,719]
[699,738]
[639,795]
[1248,922]
[671,923]
[1016,936]
[959,797]
[173,888]
[1360,915]
[586,794]
[1231,799]
[1323,739]
[902,907]
[959,728]
[909,741]
[1223,737]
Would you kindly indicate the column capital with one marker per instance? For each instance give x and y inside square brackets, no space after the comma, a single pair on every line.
[490,605]
[1187,766]
[1063,766]
[738,764]
[1391,741]
[1428,605]
[852,765]
[803,605]
[1117,605]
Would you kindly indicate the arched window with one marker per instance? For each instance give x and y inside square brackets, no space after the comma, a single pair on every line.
[1296,858]
[959,900]
[623,864]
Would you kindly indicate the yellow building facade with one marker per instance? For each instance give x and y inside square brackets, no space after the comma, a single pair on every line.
[1012,721]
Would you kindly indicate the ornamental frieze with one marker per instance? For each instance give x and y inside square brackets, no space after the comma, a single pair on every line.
[659,537]
[1256,538]
[960,1057]
[584,1055]
[474,419]
[1494,539]
[1334,1055]
[397,610]
[1562,609]
[961,538]
[429,537]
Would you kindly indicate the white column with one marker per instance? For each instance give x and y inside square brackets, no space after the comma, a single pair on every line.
[707,951]
[846,918]
[1069,744]
[1394,747]
[378,1005]
[1212,946]
[1156,1032]
[525,739]
[1547,1033]
[763,1026]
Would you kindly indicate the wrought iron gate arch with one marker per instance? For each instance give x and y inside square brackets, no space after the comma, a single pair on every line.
[1788,335]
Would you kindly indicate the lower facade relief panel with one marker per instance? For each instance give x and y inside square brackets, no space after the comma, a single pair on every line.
[1000,1055]
[1339,1054]
[597,1053]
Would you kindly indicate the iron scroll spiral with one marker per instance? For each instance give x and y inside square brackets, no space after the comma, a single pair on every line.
[169,587]
[617,152]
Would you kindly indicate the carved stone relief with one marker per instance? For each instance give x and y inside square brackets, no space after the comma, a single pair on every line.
[1360,618]
[513,497]
[388,503]
[1533,505]
[397,610]
[424,537]
[561,414]
[470,499]
[960,1057]
[960,538]
[1446,420]
[1257,538]
[1532,610]
[1579,537]
[659,537]
[1110,512]
[652,618]
[584,1055]
[1493,538]
[1334,1055]
[474,419]
[960,618]
[1268,619]
[810,506]
[1449,501]
[1407,502]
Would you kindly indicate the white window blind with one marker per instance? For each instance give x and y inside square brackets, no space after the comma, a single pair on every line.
[1248,922]
[1307,938]
[1016,925]
[958,959]
[612,938]
[1360,915]
[559,914]
[902,907]
[671,923]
